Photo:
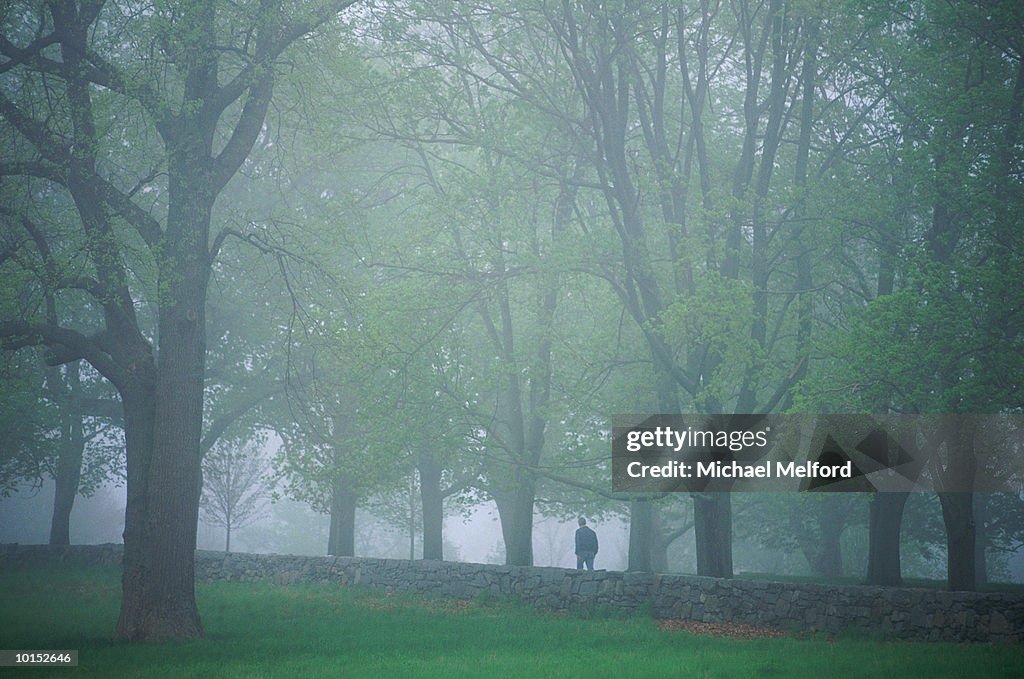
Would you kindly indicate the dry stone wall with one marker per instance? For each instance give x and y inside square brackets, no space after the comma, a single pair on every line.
[895,613]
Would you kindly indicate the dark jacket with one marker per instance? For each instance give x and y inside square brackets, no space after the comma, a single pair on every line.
[586,540]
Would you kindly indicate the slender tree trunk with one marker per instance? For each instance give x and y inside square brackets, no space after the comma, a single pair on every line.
[69,469]
[69,465]
[981,501]
[412,517]
[659,545]
[72,446]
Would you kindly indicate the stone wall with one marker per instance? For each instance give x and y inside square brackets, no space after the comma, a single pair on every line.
[896,613]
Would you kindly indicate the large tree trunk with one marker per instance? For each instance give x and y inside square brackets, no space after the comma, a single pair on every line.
[432,500]
[515,511]
[168,609]
[712,514]
[159,599]
[138,403]
[341,540]
[884,526]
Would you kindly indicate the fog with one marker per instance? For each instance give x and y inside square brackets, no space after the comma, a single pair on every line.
[389,297]
[290,527]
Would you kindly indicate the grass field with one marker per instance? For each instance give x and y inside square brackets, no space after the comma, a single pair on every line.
[258,631]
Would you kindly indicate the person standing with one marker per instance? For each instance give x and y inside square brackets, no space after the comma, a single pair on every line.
[586,546]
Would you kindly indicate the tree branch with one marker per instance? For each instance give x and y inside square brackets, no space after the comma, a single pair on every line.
[221,423]
[269,49]
[30,168]
[49,146]
[246,131]
[146,226]
[19,334]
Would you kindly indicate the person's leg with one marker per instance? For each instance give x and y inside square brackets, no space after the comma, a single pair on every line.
[579,562]
[590,562]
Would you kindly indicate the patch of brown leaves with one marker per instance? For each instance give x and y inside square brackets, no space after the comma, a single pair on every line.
[390,602]
[715,629]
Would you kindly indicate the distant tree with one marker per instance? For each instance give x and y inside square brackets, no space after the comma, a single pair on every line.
[62,426]
[235,488]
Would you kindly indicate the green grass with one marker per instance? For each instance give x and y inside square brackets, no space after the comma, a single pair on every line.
[261,631]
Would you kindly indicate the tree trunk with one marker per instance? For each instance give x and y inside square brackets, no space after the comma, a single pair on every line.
[515,510]
[980,538]
[342,538]
[659,543]
[69,471]
[712,514]
[72,446]
[958,516]
[641,536]
[159,599]
[958,507]
[659,555]
[412,517]
[140,609]
[832,514]
[433,509]
[167,607]
[884,526]
[829,562]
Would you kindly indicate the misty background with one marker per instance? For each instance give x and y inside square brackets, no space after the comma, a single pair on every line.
[435,246]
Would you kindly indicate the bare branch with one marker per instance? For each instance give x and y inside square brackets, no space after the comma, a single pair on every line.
[220,424]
